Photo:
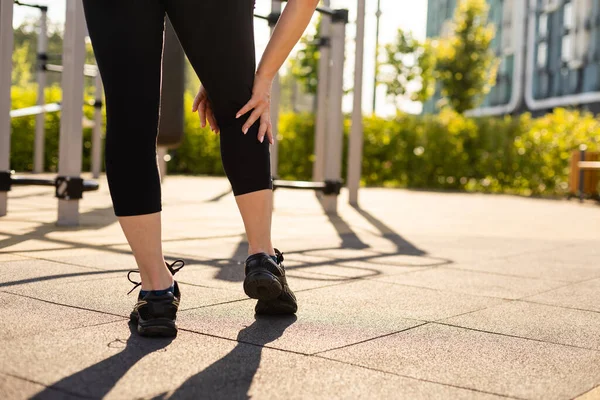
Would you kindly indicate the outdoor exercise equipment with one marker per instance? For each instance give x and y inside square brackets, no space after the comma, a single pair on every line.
[68,184]
[329,120]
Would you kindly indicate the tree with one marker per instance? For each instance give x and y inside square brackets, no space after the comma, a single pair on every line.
[408,62]
[465,62]
[305,66]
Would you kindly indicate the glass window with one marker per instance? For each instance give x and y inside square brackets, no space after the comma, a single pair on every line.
[567,48]
[543,25]
[507,27]
[542,55]
[568,16]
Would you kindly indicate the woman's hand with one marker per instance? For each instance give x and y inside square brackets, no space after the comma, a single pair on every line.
[204,108]
[261,104]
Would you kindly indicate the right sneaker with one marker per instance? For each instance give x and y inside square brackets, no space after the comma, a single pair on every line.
[265,280]
[155,313]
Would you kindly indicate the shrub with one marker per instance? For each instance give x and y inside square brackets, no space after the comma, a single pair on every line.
[520,155]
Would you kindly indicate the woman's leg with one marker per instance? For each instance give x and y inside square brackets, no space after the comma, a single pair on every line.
[218,38]
[127,37]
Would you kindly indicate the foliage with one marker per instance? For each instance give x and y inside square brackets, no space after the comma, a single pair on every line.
[408,61]
[521,155]
[305,66]
[23,131]
[466,65]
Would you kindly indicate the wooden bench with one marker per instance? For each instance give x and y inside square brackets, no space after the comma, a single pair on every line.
[584,163]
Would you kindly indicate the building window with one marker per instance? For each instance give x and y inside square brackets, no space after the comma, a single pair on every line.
[507,27]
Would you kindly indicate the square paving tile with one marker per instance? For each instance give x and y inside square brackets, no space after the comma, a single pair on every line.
[476,283]
[114,298]
[22,316]
[117,364]
[494,363]
[340,315]
[537,321]
[584,295]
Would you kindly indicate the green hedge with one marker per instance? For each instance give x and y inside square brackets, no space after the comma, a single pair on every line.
[521,155]
[23,131]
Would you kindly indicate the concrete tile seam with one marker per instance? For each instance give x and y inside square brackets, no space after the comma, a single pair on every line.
[516,336]
[592,394]
[58,276]
[373,338]
[507,275]
[474,311]
[58,389]
[418,379]
[557,288]
[63,305]
[559,306]
[244,342]
[443,290]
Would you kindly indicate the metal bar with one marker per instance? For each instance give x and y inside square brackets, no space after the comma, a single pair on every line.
[299,185]
[88,185]
[69,164]
[356,133]
[323,10]
[35,110]
[582,150]
[588,164]
[97,131]
[322,99]
[40,119]
[335,126]
[378,16]
[43,8]
[275,100]
[6,48]
[89,70]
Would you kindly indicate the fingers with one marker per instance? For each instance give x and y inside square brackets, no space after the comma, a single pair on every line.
[252,119]
[212,120]
[249,106]
[199,97]
[201,108]
[265,121]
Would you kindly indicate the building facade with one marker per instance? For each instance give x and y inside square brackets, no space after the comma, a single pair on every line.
[549,53]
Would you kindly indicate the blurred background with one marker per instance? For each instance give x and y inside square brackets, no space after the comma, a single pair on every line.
[494,96]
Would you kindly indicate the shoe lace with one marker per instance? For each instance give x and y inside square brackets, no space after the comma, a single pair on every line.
[174,267]
[279,255]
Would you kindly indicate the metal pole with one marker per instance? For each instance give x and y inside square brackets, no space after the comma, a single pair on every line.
[335,126]
[40,119]
[356,133]
[70,148]
[6,48]
[97,131]
[275,101]
[161,158]
[378,16]
[322,92]
[582,149]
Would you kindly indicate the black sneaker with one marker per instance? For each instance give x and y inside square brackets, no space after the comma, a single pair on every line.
[265,281]
[153,314]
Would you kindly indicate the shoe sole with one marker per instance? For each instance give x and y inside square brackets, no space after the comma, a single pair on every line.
[262,285]
[159,327]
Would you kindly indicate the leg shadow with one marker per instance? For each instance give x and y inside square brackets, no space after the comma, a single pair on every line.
[231,376]
[402,245]
[349,239]
[97,380]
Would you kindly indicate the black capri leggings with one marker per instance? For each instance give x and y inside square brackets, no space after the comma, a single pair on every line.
[218,39]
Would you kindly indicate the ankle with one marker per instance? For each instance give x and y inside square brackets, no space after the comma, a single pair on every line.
[159,279]
[258,249]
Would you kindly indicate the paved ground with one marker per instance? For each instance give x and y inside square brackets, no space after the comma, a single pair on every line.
[414,295]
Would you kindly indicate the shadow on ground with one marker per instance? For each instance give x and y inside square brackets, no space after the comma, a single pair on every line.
[227,378]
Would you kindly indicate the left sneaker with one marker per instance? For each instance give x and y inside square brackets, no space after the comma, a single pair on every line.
[155,314]
[266,281]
